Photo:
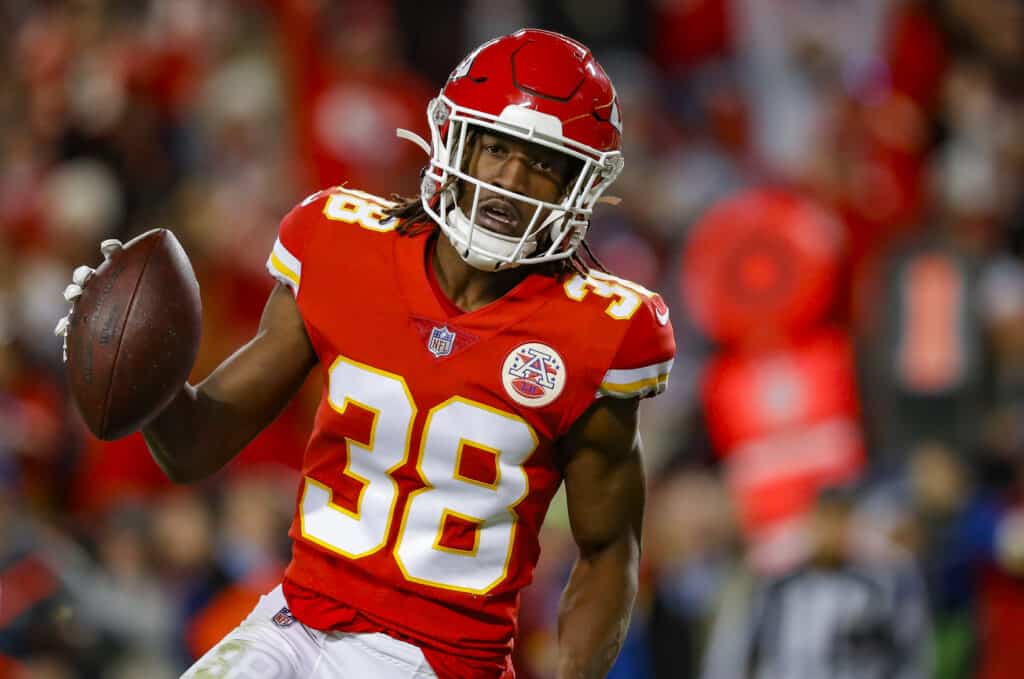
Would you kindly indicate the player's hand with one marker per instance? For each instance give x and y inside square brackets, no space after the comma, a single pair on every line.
[79,278]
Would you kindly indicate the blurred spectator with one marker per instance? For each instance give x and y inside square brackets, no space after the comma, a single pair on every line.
[935,508]
[691,553]
[854,608]
[350,94]
[799,56]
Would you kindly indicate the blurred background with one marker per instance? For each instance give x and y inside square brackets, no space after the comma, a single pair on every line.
[828,194]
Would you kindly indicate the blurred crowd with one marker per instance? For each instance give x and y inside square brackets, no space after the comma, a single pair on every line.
[828,194]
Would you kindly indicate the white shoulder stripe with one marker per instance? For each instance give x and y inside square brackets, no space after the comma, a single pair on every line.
[287,258]
[649,380]
[623,377]
[284,266]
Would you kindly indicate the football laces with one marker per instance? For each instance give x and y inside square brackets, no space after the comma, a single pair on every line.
[79,277]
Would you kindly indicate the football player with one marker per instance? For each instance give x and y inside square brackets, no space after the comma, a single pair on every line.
[474,358]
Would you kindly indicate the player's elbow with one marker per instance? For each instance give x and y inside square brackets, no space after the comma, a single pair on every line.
[183,475]
[177,470]
[180,474]
[617,559]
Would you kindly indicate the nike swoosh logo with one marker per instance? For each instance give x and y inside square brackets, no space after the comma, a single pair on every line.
[662,317]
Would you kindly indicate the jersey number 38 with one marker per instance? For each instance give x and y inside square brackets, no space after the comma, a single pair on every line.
[486,507]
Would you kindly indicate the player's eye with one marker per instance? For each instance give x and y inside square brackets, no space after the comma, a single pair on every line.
[494,149]
[543,165]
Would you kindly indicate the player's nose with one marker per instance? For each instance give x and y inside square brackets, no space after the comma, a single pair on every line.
[513,174]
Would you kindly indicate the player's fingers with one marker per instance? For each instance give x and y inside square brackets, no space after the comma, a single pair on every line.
[109,247]
[62,326]
[81,275]
[72,292]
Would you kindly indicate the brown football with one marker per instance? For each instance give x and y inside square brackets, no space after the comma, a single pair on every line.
[134,334]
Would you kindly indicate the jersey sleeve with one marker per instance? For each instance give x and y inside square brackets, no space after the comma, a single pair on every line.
[285,260]
[642,364]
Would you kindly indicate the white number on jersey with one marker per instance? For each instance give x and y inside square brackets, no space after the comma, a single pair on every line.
[357,207]
[626,296]
[449,430]
[361,533]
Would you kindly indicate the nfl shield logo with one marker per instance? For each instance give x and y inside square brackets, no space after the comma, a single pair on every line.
[441,341]
[283,618]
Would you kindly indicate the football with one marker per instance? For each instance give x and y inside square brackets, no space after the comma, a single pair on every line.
[133,334]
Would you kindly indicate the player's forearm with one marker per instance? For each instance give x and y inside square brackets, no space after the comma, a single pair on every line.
[595,610]
[191,439]
[207,425]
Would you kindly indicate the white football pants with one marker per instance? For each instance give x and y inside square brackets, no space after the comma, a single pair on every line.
[271,644]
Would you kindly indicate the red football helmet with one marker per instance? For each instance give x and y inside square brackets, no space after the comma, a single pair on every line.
[541,87]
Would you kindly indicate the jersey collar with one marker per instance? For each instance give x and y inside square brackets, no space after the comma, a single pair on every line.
[526,297]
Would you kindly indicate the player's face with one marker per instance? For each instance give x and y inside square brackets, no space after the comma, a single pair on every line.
[514,165]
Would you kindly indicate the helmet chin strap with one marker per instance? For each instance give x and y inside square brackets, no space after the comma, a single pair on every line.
[458,232]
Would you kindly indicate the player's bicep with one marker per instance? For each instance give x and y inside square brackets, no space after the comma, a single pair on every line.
[604,477]
[267,371]
[281,325]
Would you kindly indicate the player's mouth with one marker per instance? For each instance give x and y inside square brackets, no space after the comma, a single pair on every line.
[498,214]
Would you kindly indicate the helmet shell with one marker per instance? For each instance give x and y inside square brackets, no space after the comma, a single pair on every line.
[545,72]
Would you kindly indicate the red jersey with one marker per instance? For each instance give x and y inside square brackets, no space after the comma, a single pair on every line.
[431,463]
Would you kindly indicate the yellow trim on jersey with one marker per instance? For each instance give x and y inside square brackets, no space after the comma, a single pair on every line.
[427,487]
[389,472]
[309,481]
[482,448]
[368,445]
[478,526]
[360,208]
[648,380]
[640,387]
[284,266]
[626,297]
[624,282]
[279,266]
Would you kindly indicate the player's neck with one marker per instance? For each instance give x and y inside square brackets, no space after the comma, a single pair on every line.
[467,287]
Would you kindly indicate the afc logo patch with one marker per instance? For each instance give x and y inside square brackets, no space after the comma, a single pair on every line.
[533,374]
[441,341]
